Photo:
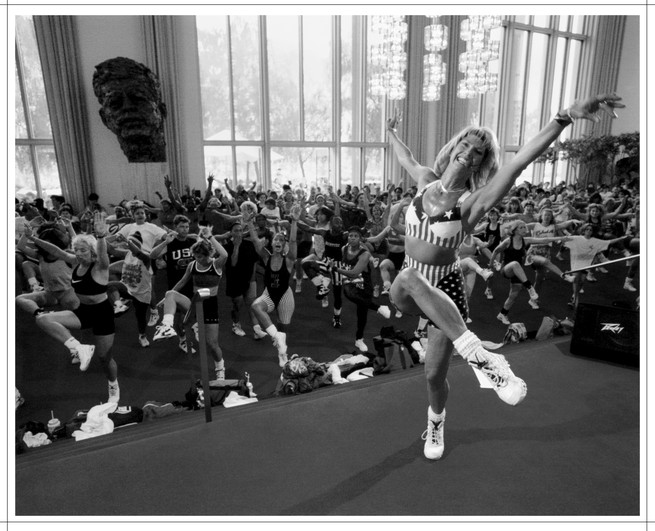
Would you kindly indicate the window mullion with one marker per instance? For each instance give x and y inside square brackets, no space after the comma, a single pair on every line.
[230,75]
[301,80]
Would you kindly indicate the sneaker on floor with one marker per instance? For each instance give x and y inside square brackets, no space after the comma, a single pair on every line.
[114,392]
[488,294]
[184,347]
[154,317]
[359,344]
[486,274]
[629,285]
[85,353]
[164,331]
[533,304]
[503,318]
[258,333]
[434,439]
[280,343]
[591,277]
[120,308]
[385,312]
[282,359]
[568,278]
[509,388]
[325,303]
[236,329]
[533,294]
[336,321]
[143,341]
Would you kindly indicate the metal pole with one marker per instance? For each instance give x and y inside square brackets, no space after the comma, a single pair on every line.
[602,264]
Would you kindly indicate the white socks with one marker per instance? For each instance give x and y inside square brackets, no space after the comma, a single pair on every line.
[272,330]
[72,344]
[468,345]
[168,319]
[434,416]
[219,365]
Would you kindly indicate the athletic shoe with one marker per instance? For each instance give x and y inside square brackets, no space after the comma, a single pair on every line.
[629,285]
[280,343]
[75,359]
[236,329]
[433,437]
[298,286]
[325,303]
[36,288]
[114,392]
[322,291]
[336,321]
[486,274]
[184,347]
[488,294]
[164,331]
[591,277]
[85,353]
[154,317]
[282,360]
[533,304]
[384,311]
[376,292]
[568,278]
[359,344]
[143,341]
[120,308]
[258,333]
[494,367]
[503,318]
[533,294]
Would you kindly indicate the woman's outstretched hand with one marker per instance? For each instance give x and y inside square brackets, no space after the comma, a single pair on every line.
[589,108]
[394,120]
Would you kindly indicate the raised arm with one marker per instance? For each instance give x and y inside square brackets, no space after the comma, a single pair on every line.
[481,201]
[100,229]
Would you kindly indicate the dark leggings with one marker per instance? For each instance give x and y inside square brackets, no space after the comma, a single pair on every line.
[141,312]
[363,298]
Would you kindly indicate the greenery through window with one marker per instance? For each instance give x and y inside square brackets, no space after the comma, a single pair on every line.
[36,164]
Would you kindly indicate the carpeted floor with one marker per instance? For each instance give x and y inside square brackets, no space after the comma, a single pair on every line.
[570,449]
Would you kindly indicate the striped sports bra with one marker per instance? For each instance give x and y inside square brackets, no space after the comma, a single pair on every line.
[444,230]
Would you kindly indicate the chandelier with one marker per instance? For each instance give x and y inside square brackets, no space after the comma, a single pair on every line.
[388,59]
[435,38]
[479,63]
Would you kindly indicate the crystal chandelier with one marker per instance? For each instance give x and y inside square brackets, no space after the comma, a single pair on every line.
[388,59]
[435,38]
[479,62]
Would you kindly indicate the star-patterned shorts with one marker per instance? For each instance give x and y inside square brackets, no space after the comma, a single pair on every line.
[448,279]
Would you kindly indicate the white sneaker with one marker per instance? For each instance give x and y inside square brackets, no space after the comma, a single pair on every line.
[629,285]
[282,359]
[533,294]
[503,318]
[184,346]
[236,329]
[494,367]
[280,343]
[361,345]
[533,304]
[85,353]
[154,317]
[114,392]
[258,333]
[486,274]
[325,303]
[488,294]
[120,308]
[384,311]
[143,341]
[164,331]
[433,437]
[569,278]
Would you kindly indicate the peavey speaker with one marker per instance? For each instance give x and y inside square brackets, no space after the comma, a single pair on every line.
[606,332]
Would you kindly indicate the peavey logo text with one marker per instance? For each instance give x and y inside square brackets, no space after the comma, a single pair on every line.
[612,327]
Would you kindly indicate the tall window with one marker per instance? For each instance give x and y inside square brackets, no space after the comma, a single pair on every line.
[36,164]
[285,99]
[543,68]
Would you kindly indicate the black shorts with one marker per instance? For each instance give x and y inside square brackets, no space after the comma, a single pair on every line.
[99,317]
[210,310]
[397,259]
[304,249]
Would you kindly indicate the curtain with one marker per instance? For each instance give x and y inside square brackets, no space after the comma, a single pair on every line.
[57,43]
[160,43]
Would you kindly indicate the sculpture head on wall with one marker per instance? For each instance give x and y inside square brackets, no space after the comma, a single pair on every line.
[132,108]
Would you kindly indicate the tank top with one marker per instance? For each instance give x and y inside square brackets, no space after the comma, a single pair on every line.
[514,255]
[276,282]
[349,262]
[56,275]
[444,230]
[85,284]
[492,236]
[206,278]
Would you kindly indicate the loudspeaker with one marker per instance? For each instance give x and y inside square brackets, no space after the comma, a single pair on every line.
[606,332]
